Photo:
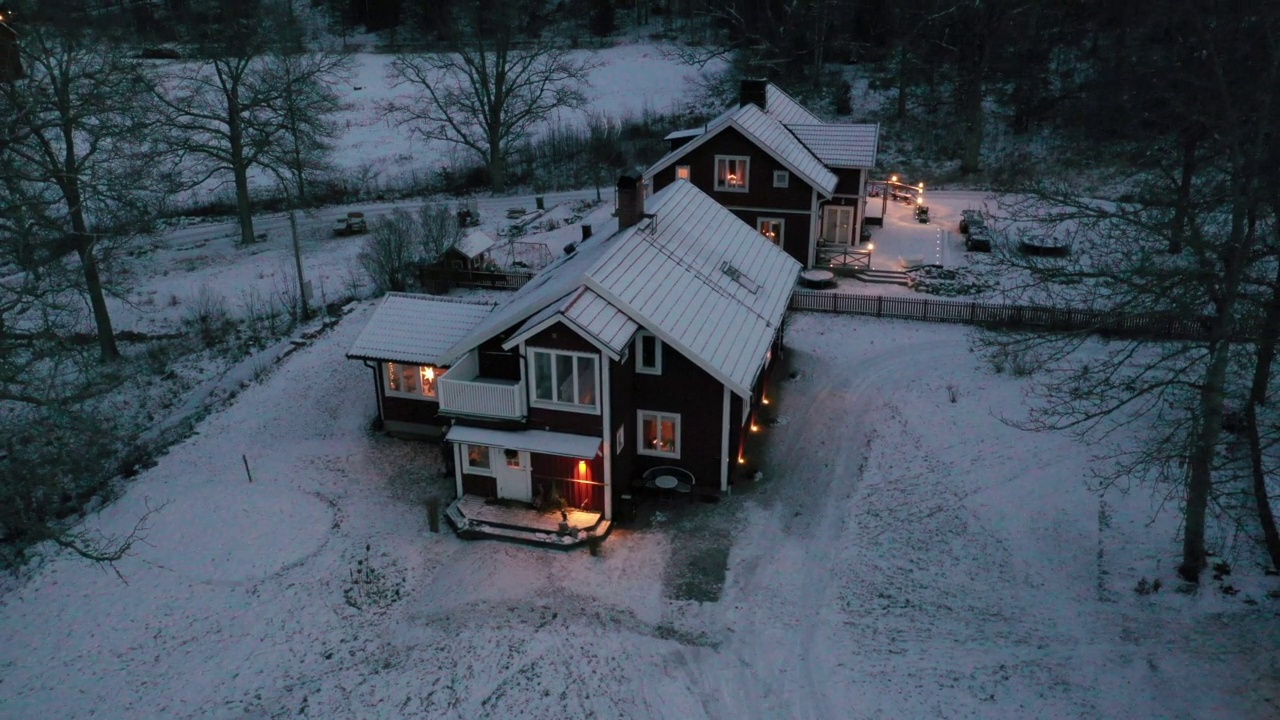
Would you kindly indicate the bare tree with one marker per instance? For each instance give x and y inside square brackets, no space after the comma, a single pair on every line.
[491,89]
[390,250]
[77,153]
[438,230]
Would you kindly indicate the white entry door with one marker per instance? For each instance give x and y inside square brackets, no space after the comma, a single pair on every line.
[837,224]
[511,470]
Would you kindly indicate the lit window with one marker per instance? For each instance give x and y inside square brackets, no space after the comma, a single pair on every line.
[648,354]
[417,381]
[781,178]
[682,172]
[564,380]
[512,457]
[476,459]
[731,173]
[659,434]
[770,228]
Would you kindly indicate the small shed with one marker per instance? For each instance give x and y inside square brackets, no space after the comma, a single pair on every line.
[472,252]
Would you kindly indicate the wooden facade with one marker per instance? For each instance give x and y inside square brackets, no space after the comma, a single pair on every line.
[793,204]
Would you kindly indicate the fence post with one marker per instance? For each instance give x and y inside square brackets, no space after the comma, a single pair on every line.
[879,304]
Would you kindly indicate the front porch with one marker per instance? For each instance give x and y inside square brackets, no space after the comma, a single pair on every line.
[473,516]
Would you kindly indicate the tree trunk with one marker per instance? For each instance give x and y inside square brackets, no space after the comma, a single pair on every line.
[70,187]
[93,286]
[240,170]
[900,67]
[1182,205]
[971,120]
[1264,362]
[497,169]
[1200,480]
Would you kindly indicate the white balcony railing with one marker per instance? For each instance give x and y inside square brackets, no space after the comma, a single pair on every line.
[461,392]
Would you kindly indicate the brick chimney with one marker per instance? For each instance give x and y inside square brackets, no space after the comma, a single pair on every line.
[753,92]
[630,201]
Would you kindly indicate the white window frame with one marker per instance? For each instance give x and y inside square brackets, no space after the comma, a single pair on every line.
[656,368]
[470,469]
[782,228]
[781,178]
[684,172]
[535,401]
[620,438]
[392,392]
[659,416]
[721,186]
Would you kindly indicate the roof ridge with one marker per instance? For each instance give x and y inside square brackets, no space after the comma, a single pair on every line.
[439,298]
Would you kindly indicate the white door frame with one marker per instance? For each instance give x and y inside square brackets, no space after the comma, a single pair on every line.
[512,483]
[837,209]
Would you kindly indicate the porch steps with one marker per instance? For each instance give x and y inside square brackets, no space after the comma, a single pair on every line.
[470,528]
[882,277]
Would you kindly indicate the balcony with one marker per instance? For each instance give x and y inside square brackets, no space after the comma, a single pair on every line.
[464,394]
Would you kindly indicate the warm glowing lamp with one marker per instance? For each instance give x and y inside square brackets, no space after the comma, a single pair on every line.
[582,468]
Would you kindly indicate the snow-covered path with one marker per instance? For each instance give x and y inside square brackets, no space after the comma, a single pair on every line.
[904,556]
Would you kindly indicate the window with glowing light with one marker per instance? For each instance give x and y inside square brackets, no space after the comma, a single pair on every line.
[770,228]
[731,172]
[682,172]
[415,381]
[476,460]
[659,434]
[564,380]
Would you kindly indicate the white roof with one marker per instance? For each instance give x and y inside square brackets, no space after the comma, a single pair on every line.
[556,281]
[668,274]
[417,329]
[539,441]
[840,146]
[783,108]
[607,324]
[771,136]
[677,134]
[475,243]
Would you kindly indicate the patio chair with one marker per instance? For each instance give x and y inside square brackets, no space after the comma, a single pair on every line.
[684,480]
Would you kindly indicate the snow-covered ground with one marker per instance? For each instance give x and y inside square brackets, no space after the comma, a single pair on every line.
[901,556]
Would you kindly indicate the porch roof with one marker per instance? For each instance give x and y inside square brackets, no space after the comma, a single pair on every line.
[538,441]
[417,329]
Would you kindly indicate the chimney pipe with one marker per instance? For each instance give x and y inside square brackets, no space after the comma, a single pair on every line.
[753,92]
[586,232]
[630,201]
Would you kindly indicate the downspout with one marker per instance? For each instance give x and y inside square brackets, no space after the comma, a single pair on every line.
[815,229]
[724,444]
[377,386]
[606,430]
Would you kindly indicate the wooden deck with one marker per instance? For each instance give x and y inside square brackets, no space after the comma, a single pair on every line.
[474,516]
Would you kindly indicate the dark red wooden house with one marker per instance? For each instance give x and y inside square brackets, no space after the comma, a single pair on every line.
[647,348]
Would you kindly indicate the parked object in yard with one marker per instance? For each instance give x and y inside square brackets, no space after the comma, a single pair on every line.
[979,238]
[922,213]
[971,219]
[467,218]
[353,224]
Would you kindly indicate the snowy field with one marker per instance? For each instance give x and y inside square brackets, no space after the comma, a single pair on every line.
[902,556]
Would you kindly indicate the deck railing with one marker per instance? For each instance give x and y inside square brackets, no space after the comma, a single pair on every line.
[462,392]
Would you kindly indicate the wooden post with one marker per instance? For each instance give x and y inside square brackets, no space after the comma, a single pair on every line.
[433,514]
[246,467]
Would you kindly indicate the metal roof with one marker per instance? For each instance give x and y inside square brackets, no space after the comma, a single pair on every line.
[678,134]
[669,274]
[769,135]
[538,441]
[783,108]
[607,324]
[840,146]
[417,329]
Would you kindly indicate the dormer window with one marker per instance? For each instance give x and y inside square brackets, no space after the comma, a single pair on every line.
[732,173]
[648,354]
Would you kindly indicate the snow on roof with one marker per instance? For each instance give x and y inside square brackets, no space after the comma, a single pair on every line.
[538,441]
[783,108]
[607,324]
[774,137]
[771,136]
[556,281]
[475,243]
[417,329]
[840,146]
[702,280]
[678,134]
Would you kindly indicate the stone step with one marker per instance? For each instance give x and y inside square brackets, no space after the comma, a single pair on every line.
[884,277]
